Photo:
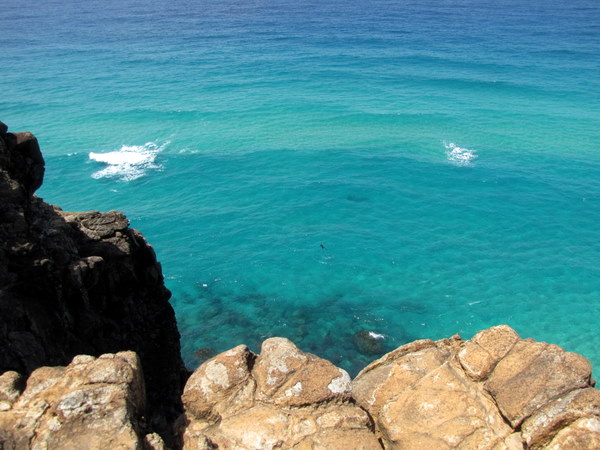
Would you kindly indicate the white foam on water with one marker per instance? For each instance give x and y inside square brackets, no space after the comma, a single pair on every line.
[376,335]
[129,162]
[459,155]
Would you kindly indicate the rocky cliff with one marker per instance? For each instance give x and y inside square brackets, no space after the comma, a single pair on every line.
[79,283]
[495,391]
[90,359]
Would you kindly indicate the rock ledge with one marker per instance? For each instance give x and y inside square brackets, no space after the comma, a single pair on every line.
[494,391]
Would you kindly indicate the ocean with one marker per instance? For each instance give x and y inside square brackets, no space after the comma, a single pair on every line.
[314,170]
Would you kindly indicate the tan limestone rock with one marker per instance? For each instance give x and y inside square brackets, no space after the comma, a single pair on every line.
[513,442]
[282,398]
[91,403]
[479,355]
[289,377]
[583,434]
[444,408]
[339,439]
[11,386]
[542,426]
[420,396]
[222,384]
[374,388]
[153,441]
[532,374]
[268,426]
[405,349]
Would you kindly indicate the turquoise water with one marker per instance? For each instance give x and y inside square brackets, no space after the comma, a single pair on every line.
[416,168]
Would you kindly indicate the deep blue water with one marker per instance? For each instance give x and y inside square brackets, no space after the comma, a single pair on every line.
[313,169]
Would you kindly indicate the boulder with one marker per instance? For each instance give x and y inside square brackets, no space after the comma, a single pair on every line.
[368,342]
[420,397]
[493,391]
[532,374]
[479,355]
[91,403]
[543,426]
[583,434]
[282,397]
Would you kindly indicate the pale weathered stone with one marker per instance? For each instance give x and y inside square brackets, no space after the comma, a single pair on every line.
[153,441]
[374,388]
[11,386]
[339,439]
[269,426]
[289,377]
[512,442]
[282,398]
[444,408]
[222,385]
[583,434]
[92,403]
[480,355]
[40,380]
[542,426]
[532,374]
[420,396]
[405,349]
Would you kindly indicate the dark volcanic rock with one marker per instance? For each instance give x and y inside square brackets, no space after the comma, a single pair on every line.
[368,343]
[79,283]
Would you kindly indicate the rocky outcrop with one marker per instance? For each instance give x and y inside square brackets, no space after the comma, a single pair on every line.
[446,394]
[79,283]
[494,391]
[91,403]
[282,398]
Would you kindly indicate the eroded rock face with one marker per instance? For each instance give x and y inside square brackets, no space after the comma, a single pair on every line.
[477,393]
[91,403]
[79,283]
[532,374]
[282,398]
[422,395]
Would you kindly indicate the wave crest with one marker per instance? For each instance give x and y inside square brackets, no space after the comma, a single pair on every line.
[129,162]
[459,155]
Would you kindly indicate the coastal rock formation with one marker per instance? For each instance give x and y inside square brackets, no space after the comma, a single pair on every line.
[79,283]
[91,403]
[446,394]
[494,391]
[282,398]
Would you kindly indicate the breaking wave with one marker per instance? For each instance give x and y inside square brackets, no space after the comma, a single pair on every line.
[459,155]
[129,162]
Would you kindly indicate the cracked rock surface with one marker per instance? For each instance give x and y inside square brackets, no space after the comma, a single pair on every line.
[91,403]
[494,391]
[281,398]
[417,396]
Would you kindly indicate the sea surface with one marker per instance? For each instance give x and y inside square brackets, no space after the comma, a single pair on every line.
[414,168]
